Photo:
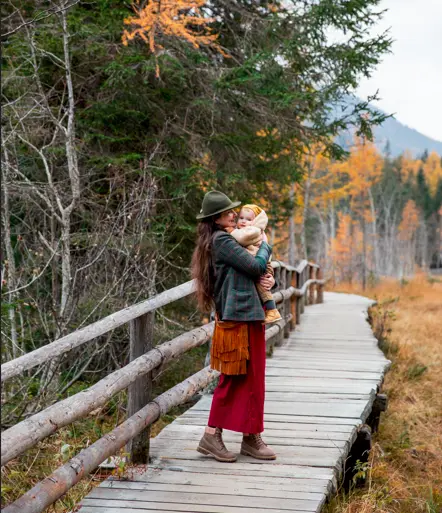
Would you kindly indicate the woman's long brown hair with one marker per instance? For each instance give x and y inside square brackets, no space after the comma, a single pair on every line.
[202,266]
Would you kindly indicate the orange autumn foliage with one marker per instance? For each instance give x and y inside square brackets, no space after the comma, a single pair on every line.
[180,18]
[362,170]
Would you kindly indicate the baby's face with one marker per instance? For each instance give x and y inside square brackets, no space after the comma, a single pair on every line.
[245,218]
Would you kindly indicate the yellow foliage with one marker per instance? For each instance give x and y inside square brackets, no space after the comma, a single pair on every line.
[433,171]
[363,169]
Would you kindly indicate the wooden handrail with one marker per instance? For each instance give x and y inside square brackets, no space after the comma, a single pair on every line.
[109,323]
[59,482]
[24,435]
[79,337]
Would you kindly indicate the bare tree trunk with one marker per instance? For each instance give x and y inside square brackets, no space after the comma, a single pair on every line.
[374,234]
[304,216]
[11,269]
[292,241]
[364,252]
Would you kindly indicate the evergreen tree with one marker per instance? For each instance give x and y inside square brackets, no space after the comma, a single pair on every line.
[422,194]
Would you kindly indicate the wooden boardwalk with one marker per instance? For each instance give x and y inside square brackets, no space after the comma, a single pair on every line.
[320,387]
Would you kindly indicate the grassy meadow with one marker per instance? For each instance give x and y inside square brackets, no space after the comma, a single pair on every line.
[405,472]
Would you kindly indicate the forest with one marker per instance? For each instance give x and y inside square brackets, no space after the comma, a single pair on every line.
[117,117]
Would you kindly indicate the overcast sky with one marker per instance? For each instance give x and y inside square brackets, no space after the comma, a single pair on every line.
[410,79]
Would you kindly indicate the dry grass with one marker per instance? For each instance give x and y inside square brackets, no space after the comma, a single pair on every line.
[406,463]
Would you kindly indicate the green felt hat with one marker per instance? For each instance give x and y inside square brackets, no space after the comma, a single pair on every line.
[215,202]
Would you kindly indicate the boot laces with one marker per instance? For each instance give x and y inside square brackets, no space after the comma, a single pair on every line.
[258,441]
[219,439]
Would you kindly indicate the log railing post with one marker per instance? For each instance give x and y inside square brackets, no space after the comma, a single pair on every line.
[298,299]
[320,289]
[282,310]
[302,277]
[293,301]
[311,289]
[287,309]
[277,279]
[306,295]
[140,392]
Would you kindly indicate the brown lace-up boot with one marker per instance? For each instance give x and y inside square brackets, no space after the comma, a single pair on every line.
[212,444]
[254,446]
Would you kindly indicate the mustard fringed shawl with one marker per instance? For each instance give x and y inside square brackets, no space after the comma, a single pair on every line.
[230,347]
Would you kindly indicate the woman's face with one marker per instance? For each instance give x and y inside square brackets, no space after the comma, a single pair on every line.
[227,219]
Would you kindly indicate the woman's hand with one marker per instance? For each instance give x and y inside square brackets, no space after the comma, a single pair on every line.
[264,237]
[267,281]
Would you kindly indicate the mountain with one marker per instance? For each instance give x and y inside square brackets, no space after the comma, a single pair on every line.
[400,137]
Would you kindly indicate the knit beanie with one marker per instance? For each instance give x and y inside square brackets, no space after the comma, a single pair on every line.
[254,208]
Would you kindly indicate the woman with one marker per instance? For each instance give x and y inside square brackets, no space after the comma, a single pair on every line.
[225,275]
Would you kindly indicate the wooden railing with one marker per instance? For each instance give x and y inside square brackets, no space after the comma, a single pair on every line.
[295,288]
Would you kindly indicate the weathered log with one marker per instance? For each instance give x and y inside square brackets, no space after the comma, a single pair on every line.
[301,266]
[26,434]
[294,291]
[320,291]
[311,292]
[379,405]
[59,482]
[287,304]
[276,263]
[293,302]
[79,337]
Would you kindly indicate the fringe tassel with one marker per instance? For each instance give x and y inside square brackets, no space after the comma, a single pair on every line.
[230,347]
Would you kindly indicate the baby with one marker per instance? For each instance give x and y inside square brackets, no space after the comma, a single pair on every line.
[250,226]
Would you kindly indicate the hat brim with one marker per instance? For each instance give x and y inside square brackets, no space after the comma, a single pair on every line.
[233,205]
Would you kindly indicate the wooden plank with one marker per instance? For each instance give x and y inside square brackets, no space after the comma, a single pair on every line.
[326,354]
[288,396]
[243,467]
[193,432]
[357,388]
[289,441]
[276,428]
[192,498]
[324,409]
[268,482]
[96,506]
[354,366]
[319,441]
[291,455]
[310,337]
[215,485]
[322,377]
[303,419]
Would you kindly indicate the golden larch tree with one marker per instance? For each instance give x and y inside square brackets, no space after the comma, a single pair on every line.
[183,19]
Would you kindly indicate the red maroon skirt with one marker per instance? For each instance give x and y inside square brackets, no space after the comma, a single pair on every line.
[238,401]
